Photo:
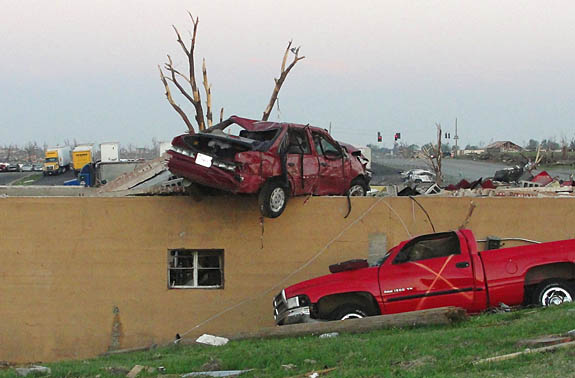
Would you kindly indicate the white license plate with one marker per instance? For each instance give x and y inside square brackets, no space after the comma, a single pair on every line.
[204,160]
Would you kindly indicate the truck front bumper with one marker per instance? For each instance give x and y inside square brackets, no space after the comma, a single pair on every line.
[294,316]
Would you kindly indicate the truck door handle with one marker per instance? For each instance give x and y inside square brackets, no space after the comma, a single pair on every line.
[323,164]
[291,164]
[464,264]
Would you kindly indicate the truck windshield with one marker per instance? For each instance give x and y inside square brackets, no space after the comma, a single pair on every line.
[51,160]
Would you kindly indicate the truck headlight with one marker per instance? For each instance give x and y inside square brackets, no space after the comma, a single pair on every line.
[300,300]
[292,302]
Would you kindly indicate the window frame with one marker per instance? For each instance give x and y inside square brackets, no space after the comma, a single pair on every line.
[195,267]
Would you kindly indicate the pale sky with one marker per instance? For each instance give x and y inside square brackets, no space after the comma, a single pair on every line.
[87,70]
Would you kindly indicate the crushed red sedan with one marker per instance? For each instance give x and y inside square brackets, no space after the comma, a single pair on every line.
[275,160]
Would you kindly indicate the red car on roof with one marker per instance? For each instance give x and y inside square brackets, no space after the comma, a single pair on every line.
[276,160]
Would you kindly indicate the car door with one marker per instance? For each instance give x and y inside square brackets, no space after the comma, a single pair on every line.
[331,158]
[301,164]
[428,272]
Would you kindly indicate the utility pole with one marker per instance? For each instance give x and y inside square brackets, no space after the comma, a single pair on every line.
[438,173]
[456,137]
[330,128]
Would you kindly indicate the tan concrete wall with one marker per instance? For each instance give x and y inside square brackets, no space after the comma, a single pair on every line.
[66,263]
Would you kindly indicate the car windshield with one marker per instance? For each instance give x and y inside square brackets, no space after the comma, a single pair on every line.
[51,160]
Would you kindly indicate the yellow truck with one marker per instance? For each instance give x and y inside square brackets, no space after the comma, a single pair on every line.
[56,161]
[82,155]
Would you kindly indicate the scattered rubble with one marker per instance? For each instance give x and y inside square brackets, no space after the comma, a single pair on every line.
[541,185]
[33,370]
[212,340]
[329,335]
[137,369]
[411,364]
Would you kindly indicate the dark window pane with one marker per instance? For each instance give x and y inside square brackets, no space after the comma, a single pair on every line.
[209,277]
[208,261]
[182,277]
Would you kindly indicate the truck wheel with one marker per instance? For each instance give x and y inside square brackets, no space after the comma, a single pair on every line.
[553,292]
[350,311]
[273,199]
[358,187]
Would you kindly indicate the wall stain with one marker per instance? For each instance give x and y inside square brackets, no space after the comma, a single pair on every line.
[117,332]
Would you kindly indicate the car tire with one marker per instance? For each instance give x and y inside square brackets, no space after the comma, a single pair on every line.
[358,188]
[349,311]
[553,292]
[272,199]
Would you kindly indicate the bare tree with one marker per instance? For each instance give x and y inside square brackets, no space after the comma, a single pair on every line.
[432,154]
[31,149]
[169,74]
[283,74]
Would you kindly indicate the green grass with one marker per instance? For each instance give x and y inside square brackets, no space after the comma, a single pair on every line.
[28,180]
[441,351]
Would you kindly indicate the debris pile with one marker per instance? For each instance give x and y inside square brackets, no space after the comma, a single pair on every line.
[509,182]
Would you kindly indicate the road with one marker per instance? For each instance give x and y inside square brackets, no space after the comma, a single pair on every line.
[456,169]
[453,169]
[8,177]
[55,180]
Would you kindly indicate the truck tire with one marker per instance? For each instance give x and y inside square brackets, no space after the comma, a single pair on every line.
[553,292]
[358,187]
[272,199]
[348,311]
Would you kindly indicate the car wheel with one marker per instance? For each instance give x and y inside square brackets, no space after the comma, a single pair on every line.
[358,187]
[273,199]
[553,292]
[417,181]
[349,311]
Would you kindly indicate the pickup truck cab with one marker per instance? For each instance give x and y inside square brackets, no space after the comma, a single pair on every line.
[435,270]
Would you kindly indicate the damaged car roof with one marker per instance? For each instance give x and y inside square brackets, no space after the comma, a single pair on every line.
[254,125]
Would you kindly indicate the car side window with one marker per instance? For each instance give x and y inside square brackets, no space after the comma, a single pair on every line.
[298,142]
[429,247]
[325,147]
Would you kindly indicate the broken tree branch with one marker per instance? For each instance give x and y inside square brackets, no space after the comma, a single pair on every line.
[208,89]
[172,102]
[527,351]
[195,97]
[169,66]
[283,74]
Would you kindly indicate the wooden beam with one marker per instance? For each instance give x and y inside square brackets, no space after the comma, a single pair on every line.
[436,316]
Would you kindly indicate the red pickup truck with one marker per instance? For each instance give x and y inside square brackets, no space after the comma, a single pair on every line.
[435,270]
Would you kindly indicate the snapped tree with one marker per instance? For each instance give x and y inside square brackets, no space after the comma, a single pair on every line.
[432,155]
[169,74]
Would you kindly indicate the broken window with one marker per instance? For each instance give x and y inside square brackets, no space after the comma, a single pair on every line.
[325,147]
[195,268]
[298,142]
